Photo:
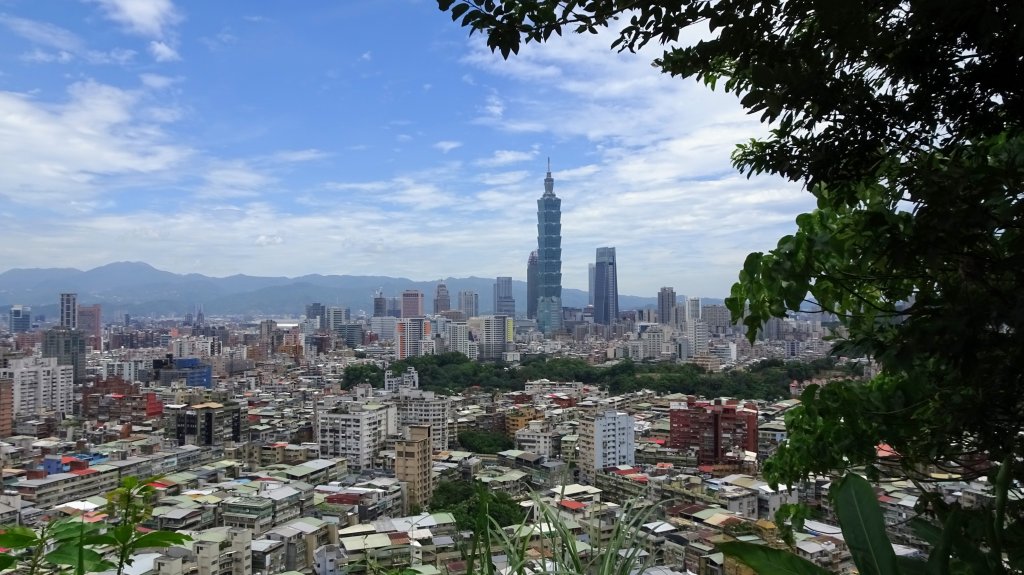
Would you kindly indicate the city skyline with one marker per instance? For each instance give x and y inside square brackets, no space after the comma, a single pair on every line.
[206,138]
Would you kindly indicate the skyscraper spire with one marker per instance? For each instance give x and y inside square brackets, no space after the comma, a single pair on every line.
[549,182]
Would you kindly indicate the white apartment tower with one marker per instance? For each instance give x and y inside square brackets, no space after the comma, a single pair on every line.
[606,439]
[458,340]
[41,385]
[417,407]
[356,431]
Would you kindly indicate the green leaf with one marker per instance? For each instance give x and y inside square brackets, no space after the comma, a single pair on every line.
[863,526]
[79,558]
[927,531]
[6,561]
[910,566]
[769,561]
[17,540]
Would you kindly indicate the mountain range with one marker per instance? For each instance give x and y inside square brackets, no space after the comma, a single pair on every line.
[139,289]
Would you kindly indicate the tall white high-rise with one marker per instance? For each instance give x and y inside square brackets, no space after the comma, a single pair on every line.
[692,309]
[458,340]
[606,439]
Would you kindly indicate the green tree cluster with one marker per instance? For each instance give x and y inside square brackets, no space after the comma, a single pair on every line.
[454,372]
[485,441]
[467,501]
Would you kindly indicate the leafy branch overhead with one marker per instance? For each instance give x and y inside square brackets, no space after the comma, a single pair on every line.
[904,121]
[79,547]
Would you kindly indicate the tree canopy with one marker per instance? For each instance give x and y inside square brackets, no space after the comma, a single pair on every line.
[485,441]
[454,372]
[903,120]
[466,500]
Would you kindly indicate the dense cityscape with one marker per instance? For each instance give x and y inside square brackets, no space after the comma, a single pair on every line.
[290,289]
[314,444]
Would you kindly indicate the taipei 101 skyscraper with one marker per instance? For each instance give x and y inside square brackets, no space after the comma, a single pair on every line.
[549,259]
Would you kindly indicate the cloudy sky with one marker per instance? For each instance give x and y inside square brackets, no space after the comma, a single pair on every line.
[359,137]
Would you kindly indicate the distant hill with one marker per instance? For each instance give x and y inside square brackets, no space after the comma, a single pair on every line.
[140,289]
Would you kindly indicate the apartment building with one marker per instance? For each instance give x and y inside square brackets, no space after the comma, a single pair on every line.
[413,465]
[418,407]
[356,432]
[606,439]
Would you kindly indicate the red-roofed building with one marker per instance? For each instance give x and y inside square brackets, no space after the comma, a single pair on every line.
[713,427]
[572,505]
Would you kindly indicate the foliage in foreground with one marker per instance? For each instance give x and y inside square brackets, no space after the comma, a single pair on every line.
[904,121]
[74,546]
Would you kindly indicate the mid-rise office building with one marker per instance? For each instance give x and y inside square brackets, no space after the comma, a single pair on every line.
[67,346]
[442,299]
[497,332]
[504,302]
[380,304]
[317,312]
[412,303]
[19,319]
[336,317]
[469,303]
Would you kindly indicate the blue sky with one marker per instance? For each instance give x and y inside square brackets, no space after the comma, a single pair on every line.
[367,137]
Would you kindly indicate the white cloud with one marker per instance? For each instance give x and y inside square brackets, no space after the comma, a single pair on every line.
[234,179]
[503,178]
[79,147]
[120,56]
[42,33]
[447,145]
[41,56]
[506,157]
[269,240]
[162,52]
[65,45]
[156,81]
[149,18]
[291,156]
[366,56]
